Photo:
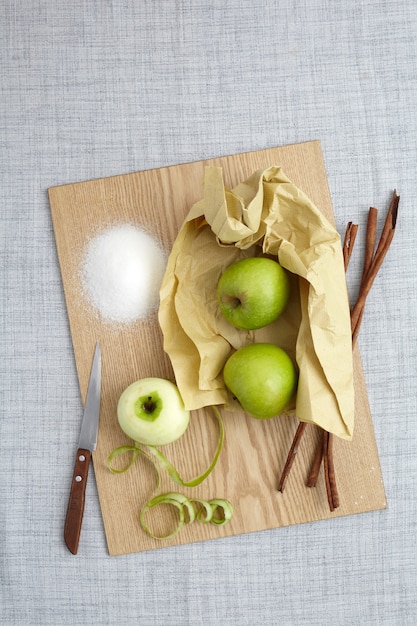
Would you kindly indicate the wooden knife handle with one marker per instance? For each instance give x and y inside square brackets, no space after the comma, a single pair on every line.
[76,501]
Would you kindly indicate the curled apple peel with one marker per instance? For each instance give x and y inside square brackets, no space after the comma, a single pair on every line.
[217,511]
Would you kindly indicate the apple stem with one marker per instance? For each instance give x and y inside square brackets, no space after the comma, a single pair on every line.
[149,405]
[233,301]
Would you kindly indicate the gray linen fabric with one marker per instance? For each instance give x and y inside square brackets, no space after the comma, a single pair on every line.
[92,89]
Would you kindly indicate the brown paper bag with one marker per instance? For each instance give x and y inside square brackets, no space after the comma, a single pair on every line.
[264,215]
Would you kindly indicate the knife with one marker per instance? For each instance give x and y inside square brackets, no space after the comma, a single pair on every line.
[87,443]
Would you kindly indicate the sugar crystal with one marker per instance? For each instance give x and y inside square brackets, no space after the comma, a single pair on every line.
[122,273]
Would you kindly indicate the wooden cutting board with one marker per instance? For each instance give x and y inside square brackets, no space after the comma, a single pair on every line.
[251,462]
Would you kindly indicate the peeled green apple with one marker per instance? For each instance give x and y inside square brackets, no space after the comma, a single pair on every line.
[151,411]
[262,377]
[253,292]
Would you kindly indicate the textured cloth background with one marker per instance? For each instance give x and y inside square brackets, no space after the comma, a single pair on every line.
[92,89]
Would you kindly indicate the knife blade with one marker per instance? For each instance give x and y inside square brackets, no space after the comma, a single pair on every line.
[86,444]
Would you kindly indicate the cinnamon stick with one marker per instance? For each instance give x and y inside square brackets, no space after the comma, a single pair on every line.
[370,240]
[349,242]
[318,457]
[326,469]
[291,455]
[373,264]
[333,496]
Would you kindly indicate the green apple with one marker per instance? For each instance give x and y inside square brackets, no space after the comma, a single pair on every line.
[151,411]
[262,377]
[253,292]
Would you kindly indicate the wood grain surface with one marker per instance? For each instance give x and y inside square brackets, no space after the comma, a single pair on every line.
[249,467]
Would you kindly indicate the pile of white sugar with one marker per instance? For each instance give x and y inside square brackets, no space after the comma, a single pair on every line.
[122,273]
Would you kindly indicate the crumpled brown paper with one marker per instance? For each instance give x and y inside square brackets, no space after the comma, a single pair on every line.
[266,214]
